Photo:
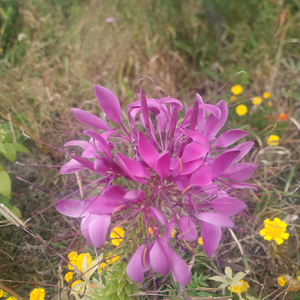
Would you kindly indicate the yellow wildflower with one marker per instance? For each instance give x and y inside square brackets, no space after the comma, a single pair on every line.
[266,95]
[72,258]
[298,278]
[150,230]
[1,293]
[281,280]
[242,287]
[270,103]
[232,98]
[68,276]
[72,255]
[236,89]
[256,100]
[112,259]
[241,109]
[273,140]
[117,235]
[274,230]
[80,258]
[200,242]
[37,294]
[13,298]
[75,282]
[173,233]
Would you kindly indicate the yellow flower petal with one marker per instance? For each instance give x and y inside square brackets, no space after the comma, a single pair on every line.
[257,100]
[37,294]
[285,235]
[263,232]
[116,235]
[268,238]
[273,140]
[200,242]
[266,95]
[68,276]
[281,281]
[241,109]
[236,89]
[1,293]
[279,241]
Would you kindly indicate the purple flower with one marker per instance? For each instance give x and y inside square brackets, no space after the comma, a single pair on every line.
[183,174]
[109,20]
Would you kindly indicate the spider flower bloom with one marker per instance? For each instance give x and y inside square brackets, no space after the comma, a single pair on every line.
[184,175]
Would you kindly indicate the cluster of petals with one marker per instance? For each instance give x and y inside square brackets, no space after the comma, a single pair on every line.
[185,172]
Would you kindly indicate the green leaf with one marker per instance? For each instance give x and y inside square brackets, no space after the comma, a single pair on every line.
[238,276]
[20,148]
[2,149]
[112,289]
[16,211]
[8,138]
[122,296]
[228,272]
[1,168]
[11,152]
[5,184]
[120,287]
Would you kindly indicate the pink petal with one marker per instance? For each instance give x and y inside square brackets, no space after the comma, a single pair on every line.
[194,115]
[201,176]
[169,230]
[109,103]
[134,196]
[193,151]
[84,228]
[190,167]
[222,162]
[173,102]
[100,142]
[215,219]
[157,215]
[162,164]
[82,144]
[188,229]
[213,124]
[100,166]
[72,166]
[71,208]
[211,237]
[88,164]
[228,138]
[98,229]
[197,136]
[239,172]
[214,110]
[90,152]
[228,206]
[144,109]
[89,119]
[133,169]
[244,148]
[137,266]
[180,270]
[160,257]
[114,192]
[99,205]
[147,151]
